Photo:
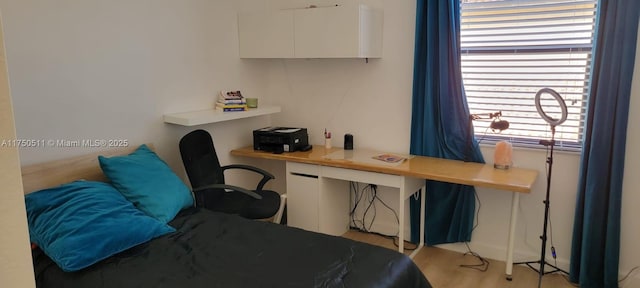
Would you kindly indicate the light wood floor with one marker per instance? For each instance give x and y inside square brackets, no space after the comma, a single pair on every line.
[442,268]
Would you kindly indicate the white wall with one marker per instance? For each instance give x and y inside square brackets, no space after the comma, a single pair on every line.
[15,261]
[630,234]
[110,69]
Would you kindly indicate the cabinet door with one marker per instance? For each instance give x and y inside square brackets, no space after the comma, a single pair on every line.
[302,196]
[327,32]
[266,34]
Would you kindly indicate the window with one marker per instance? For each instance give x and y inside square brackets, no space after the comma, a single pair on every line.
[513,48]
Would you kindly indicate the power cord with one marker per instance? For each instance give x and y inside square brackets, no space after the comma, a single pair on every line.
[475,194]
[359,196]
[629,274]
[371,198]
[356,200]
[484,263]
[484,134]
[408,246]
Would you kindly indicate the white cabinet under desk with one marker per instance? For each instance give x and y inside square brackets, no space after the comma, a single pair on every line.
[303,194]
[318,196]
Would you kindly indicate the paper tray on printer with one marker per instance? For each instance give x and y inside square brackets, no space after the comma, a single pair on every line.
[280,139]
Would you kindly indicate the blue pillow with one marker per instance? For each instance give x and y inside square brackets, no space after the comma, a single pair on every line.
[147,181]
[80,223]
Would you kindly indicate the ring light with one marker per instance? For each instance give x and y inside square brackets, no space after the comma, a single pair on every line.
[548,143]
[552,121]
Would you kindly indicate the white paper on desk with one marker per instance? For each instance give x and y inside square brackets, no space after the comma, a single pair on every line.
[290,130]
[364,156]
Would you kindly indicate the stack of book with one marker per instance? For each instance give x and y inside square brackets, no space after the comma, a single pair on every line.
[231,101]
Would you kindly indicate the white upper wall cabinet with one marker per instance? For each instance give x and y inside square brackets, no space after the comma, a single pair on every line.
[351,31]
[346,31]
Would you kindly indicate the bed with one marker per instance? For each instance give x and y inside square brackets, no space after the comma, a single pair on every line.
[207,249]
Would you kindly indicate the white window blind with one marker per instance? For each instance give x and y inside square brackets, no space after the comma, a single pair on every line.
[513,48]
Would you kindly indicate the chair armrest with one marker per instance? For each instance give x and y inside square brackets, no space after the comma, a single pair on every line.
[266,176]
[230,187]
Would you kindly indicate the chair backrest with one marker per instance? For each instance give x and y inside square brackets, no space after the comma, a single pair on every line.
[200,159]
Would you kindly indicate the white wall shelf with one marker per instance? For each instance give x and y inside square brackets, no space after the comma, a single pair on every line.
[194,118]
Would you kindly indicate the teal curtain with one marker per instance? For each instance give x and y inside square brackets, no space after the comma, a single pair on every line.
[440,122]
[596,234]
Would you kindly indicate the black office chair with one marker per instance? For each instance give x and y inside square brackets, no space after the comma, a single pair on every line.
[209,188]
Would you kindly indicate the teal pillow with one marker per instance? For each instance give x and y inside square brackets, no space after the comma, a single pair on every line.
[148,182]
[80,223]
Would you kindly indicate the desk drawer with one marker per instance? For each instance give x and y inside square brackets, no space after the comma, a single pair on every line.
[303,169]
[362,176]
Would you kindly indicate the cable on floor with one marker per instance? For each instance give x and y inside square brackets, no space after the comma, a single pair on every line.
[484,263]
[483,266]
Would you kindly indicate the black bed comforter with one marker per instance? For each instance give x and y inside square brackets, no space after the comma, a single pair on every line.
[213,249]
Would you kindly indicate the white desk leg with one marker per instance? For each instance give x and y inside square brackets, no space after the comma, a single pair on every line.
[423,199]
[423,208]
[401,219]
[512,231]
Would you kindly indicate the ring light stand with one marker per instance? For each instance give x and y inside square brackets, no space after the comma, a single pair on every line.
[553,123]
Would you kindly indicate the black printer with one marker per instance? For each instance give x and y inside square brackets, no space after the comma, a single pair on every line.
[281,139]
